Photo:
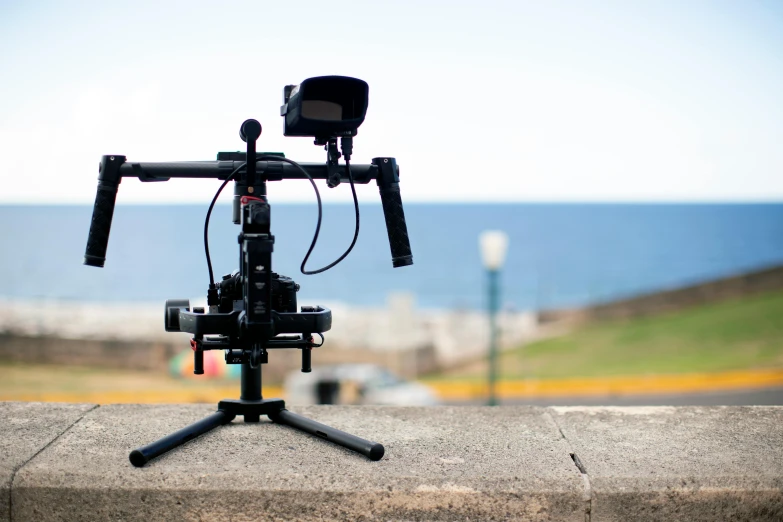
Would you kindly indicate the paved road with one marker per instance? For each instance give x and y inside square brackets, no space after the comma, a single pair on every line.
[771,396]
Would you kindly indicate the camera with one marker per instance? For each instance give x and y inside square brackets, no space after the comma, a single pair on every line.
[284,291]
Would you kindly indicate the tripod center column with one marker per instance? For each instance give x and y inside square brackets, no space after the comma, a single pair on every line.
[251,383]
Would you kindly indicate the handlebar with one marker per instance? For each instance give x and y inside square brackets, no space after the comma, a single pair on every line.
[267,170]
[114,168]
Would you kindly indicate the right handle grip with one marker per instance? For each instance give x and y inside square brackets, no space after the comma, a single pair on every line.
[103,211]
[389,186]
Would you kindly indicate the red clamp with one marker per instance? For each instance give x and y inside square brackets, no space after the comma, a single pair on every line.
[244,200]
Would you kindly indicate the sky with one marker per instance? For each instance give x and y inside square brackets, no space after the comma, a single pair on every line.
[590,101]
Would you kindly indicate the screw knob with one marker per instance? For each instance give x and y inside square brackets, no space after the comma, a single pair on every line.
[250,130]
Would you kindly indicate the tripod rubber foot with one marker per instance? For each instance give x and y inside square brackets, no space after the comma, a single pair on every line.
[377,451]
[138,459]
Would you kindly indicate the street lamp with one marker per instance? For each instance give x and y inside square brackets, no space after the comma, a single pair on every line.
[493,245]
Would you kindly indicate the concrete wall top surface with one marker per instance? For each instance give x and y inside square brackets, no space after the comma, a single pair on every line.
[70,462]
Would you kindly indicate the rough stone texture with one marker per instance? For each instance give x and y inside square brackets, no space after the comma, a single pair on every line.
[687,463]
[25,429]
[444,463]
[65,462]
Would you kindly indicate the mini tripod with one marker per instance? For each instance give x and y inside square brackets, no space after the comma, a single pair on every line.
[251,406]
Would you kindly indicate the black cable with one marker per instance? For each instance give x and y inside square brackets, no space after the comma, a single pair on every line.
[206,222]
[320,214]
[318,225]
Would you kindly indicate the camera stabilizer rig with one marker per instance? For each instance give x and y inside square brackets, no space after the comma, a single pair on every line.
[254,310]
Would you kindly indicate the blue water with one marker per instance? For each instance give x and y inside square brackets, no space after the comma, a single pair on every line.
[559,254]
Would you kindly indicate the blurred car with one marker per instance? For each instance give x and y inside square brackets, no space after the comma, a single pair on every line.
[355,384]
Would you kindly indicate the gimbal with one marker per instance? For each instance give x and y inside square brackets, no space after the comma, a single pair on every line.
[254,310]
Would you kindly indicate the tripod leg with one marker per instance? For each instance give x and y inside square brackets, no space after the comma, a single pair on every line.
[141,456]
[371,450]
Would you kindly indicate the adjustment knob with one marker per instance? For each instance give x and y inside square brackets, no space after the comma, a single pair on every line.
[251,130]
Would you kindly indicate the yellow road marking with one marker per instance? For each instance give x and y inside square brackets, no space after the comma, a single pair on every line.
[455,390]
[623,385]
[189,395]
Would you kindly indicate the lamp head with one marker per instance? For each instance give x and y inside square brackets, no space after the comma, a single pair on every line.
[493,245]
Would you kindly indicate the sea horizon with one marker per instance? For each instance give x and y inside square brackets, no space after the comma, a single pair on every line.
[561,254]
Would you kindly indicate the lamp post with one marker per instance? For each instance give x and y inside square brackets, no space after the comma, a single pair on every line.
[493,245]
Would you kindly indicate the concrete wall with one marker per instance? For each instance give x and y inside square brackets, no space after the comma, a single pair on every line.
[714,291]
[128,355]
[408,341]
[581,464]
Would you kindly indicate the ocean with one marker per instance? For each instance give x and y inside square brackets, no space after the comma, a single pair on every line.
[560,255]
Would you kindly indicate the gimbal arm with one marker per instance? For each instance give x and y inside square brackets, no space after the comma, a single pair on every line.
[114,168]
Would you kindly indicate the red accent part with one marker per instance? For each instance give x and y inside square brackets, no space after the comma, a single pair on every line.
[244,200]
[193,345]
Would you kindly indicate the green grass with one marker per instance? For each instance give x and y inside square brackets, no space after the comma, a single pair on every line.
[741,334]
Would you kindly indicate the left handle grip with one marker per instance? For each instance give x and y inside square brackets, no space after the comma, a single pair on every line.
[103,210]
